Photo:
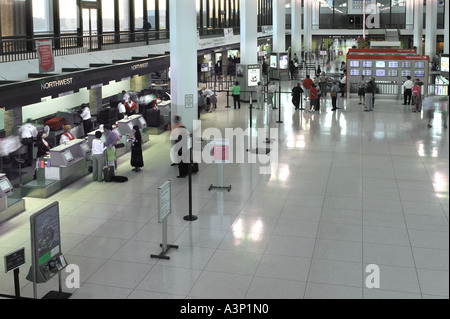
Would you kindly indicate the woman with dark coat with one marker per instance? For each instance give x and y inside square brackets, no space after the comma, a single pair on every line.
[137,160]
[43,147]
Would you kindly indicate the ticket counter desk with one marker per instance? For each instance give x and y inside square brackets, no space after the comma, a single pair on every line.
[66,164]
[125,129]
[10,206]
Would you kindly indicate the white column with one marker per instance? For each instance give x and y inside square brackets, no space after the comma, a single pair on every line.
[315,13]
[183,60]
[279,26]
[430,32]
[307,35]
[418,25]
[296,15]
[446,28]
[409,14]
[249,32]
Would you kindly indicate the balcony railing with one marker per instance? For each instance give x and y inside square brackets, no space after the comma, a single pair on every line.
[21,48]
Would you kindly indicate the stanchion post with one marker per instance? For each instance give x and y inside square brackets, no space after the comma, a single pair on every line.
[190,217]
[279,105]
[228,99]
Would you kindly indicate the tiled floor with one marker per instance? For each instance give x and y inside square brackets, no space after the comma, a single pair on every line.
[350,189]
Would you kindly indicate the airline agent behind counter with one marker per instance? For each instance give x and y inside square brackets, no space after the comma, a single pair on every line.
[67,135]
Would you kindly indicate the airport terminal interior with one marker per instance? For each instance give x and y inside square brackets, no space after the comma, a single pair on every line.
[339,197]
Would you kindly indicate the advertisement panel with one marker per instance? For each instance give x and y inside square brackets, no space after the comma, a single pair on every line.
[45,54]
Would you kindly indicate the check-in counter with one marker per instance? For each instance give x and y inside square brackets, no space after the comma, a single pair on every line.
[9,206]
[126,125]
[68,162]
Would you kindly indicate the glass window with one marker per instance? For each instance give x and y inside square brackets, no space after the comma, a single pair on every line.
[162,14]
[124,15]
[398,14]
[138,14]
[108,15]
[68,15]
[13,17]
[151,12]
[41,16]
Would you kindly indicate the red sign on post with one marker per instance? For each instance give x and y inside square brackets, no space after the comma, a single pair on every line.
[46,61]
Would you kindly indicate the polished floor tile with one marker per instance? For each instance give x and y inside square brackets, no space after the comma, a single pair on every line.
[345,190]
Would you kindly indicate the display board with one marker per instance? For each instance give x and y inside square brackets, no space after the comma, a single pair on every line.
[47,257]
[254,75]
[274,61]
[388,67]
[357,6]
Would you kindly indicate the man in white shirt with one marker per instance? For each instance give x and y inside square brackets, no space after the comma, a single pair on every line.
[86,117]
[98,158]
[28,133]
[408,91]
[122,109]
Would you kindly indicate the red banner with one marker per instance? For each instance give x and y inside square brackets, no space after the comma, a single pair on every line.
[46,62]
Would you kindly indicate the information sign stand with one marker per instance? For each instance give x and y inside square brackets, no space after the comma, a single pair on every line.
[13,262]
[165,209]
[221,156]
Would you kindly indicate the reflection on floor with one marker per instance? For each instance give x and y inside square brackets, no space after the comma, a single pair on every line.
[345,190]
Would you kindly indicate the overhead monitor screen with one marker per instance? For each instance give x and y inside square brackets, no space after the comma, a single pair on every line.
[393,64]
[393,73]
[354,64]
[380,64]
[406,73]
[355,72]
[406,65]
[367,72]
[419,74]
[367,64]
[420,65]
[381,73]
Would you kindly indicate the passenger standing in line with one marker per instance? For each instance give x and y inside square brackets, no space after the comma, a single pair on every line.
[417,97]
[407,96]
[98,157]
[323,81]
[370,88]
[137,160]
[296,96]
[362,90]
[110,142]
[260,96]
[313,98]
[237,95]
[335,96]
[307,82]
[180,137]
[271,99]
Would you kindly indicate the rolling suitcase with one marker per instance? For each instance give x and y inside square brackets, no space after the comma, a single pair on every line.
[108,171]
